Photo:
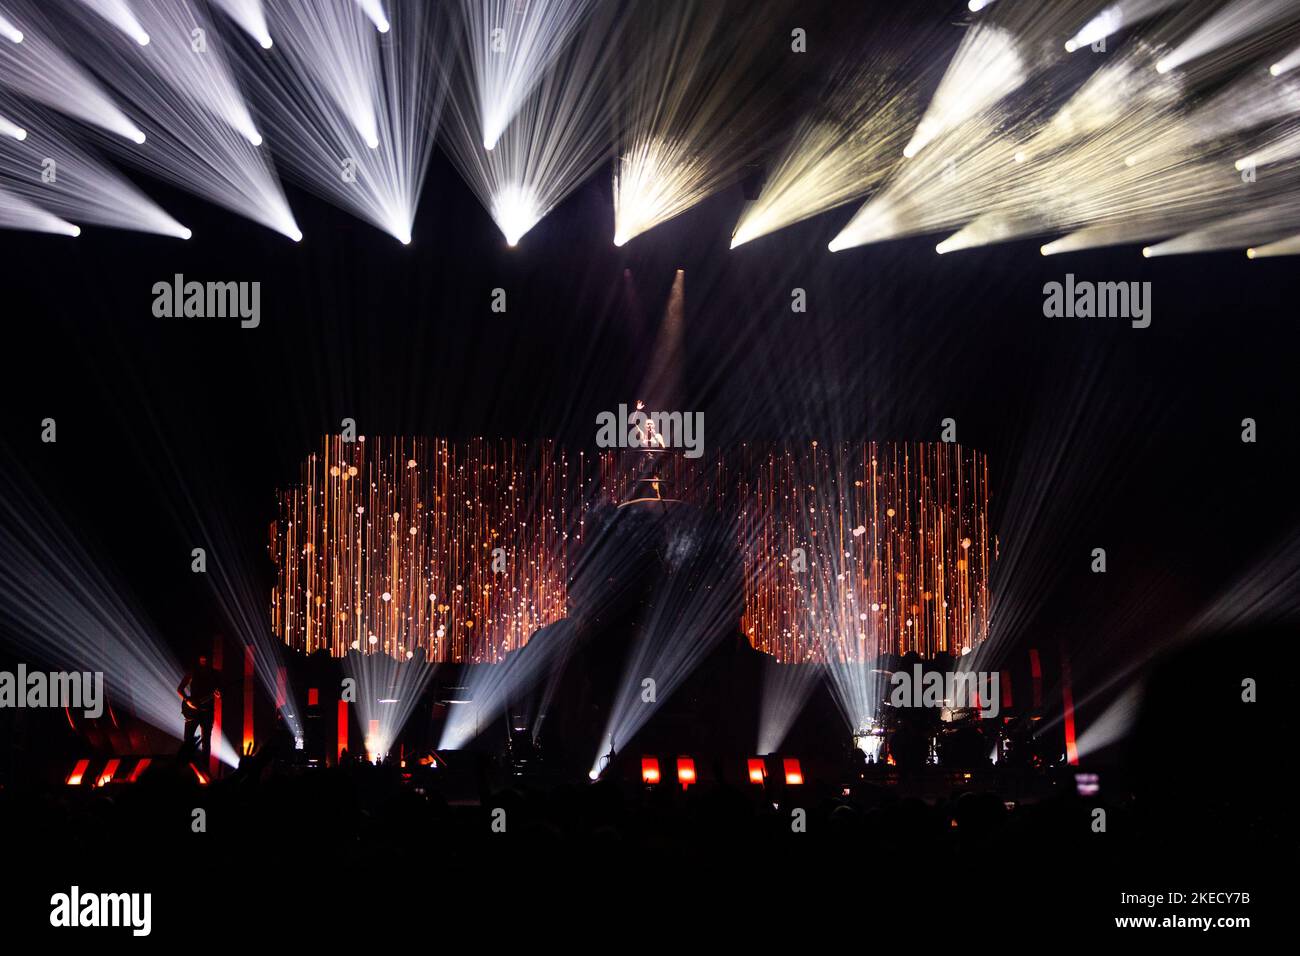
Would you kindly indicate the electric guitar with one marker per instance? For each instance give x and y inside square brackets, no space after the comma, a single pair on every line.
[192,709]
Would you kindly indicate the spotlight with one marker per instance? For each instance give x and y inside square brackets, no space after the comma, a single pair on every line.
[255,138]
[375,11]
[139,137]
[1250,253]
[9,31]
[188,233]
[266,42]
[75,231]
[986,67]
[869,739]
[1146,252]
[372,142]
[650,770]
[1275,69]
[1163,66]
[515,211]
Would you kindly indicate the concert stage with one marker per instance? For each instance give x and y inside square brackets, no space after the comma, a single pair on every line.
[800,469]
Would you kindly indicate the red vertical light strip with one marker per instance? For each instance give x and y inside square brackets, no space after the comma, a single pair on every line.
[1067,696]
[213,761]
[685,771]
[1036,672]
[343,728]
[248,699]
[281,681]
[218,662]
[140,768]
[650,770]
[78,772]
[106,776]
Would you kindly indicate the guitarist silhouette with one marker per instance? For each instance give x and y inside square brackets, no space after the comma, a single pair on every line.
[197,691]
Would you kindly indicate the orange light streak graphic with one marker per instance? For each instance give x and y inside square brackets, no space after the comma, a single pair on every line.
[893,542]
[393,546]
[460,551]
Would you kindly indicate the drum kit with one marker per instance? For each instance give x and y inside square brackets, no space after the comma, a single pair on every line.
[946,736]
